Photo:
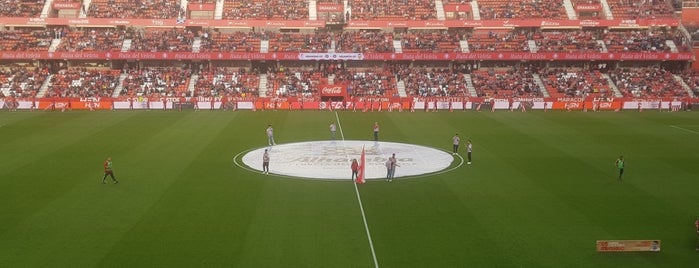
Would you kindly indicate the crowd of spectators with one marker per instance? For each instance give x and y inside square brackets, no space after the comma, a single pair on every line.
[644,9]
[365,41]
[498,41]
[300,42]
[163,40]
[566,41]
[231,42]
[367,82]
[433,82]
[574,83]
[504,9]
[92,39]
[83,82]
[505,82]
[21,81]
[393,10]
[646,82]
[286,82]
[431,41]
[691,78]
[135,9]
[156,81]
[233,82]
[644,40]
[26,39]
[21,8]
[266,9]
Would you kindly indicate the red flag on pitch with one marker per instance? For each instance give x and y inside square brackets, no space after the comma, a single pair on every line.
[362,164]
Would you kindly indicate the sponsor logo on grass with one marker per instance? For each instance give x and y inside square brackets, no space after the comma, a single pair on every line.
[332,159]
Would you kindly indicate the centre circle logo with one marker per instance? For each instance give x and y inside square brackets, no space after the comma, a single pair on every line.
[332,159]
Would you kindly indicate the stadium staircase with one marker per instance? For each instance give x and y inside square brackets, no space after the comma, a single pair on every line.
[126,45]
[218,10]
[532,46]
[475,10]
[464,46]
[196,45]
[400,86]
[684,85]
[47,8]
[264,46]
[440,10]
[612,86]
[331,79]
[333,45]
[44,87]
[540,84]
[570,10]
[120,85]
[606,11]
[192,84]
[604,46]
[347,7]
[671,45]
[312,11]
[262,88]
[469,86]
[183,6]
[86,6]
[54,45]
[397,46]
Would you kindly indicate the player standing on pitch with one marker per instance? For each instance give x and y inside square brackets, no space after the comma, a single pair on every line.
[108,171]
[619,163]
[376,131]
[270,135]
[455,141]
[333,130]
[469,150]
[265,162]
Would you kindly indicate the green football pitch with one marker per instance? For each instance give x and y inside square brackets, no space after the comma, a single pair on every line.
[542,189]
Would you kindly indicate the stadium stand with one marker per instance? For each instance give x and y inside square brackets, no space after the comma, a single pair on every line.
[504,9]
[82,82]
[156,81]
[21,8]
[21,81]
[505,82]
[221,81]
[647,82]
[160,9]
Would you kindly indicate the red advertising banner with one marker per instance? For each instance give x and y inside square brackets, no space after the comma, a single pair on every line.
[201,7]
[514,23]
[86,22]
[588,7]
[327,7]
[332,90]
[493,56]
[66,5]
[457,8]
[357,24]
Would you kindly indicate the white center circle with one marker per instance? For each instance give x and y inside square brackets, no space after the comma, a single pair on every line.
[332,159]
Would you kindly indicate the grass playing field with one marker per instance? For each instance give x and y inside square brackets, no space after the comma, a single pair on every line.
[541,191]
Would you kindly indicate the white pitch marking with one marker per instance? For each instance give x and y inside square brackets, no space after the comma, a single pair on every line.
[359,199]
[681,128]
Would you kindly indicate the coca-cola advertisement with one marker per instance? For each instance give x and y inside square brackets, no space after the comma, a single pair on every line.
[333,90]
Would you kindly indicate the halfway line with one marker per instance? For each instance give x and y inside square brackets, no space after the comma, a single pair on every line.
[359,199]
[681,128]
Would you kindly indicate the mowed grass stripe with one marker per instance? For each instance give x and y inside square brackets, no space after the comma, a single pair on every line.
[250,219]
[93,216]
[48,159]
